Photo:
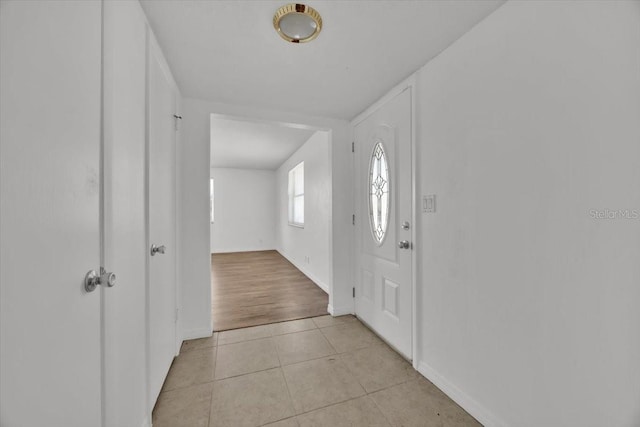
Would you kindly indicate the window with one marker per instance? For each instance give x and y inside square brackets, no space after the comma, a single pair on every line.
[296,195]
[211,199]
[379,193]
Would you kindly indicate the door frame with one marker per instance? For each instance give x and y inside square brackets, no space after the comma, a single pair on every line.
[410,85]
[297,124]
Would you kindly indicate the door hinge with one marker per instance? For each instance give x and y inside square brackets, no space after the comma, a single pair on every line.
[353,219]
[353,291]
[176,118]
[353,146]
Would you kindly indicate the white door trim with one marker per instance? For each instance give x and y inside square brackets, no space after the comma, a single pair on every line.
[407,84]
[293,124]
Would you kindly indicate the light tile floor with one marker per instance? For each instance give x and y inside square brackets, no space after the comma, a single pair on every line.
[316,372]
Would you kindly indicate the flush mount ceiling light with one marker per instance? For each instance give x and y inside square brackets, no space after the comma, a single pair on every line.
[297,23]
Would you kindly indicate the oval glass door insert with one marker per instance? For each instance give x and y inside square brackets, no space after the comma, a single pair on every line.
[379,193]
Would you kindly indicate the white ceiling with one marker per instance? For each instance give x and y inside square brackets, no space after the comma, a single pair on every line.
[251,145]
[228,51]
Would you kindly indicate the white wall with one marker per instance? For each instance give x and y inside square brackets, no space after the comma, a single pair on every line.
[245,210]
[529,306]
[193,227]
[308,247]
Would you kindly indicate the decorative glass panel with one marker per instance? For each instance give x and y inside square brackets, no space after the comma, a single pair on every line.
[379,193]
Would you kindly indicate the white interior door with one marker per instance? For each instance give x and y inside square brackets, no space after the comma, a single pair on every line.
[161,214]
[125,246]
[383,221]
[50,113]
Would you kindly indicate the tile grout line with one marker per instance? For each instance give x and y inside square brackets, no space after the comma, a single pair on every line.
[182,351]
[286,385]
[253,372]
[331,345]
[272,335]
[266,369]
[284,419]
[332,404]
[215,349]
[365,395]
[186,386]
[289,390]
[339,355]
[286,333]
[335,403]
[296,415]
[380,409]
[211,402]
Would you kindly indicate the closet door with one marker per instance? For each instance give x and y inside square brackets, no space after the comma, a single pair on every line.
[50,133]
[161,151]
[125,251]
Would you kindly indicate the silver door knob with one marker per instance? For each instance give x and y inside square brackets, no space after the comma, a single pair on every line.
[404,244]
[92,280]
[157,249]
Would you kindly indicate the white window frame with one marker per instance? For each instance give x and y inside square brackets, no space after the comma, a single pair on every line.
[211,203]
[296,171]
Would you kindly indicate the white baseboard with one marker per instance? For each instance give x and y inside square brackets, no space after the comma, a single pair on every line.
[193,334]
[479,412]
[243,249]
[311,276]
[340,311]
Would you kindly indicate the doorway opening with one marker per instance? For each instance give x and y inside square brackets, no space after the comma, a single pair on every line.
[270,214]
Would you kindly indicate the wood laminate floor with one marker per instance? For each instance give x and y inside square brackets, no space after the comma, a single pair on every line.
[257,288]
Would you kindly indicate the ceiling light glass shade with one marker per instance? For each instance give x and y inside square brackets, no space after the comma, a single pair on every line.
[297,23]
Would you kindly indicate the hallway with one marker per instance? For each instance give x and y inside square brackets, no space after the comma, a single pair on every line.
[318,372]
[454,180]
[261,287]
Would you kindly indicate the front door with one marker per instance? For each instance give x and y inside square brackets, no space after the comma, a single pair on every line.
[161,214]
[383,294]
[50,114]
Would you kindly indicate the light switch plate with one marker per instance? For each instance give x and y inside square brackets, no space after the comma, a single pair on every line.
[429,203]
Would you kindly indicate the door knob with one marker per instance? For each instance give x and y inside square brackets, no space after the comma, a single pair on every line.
[92,280]
[404,244]
[157,249]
